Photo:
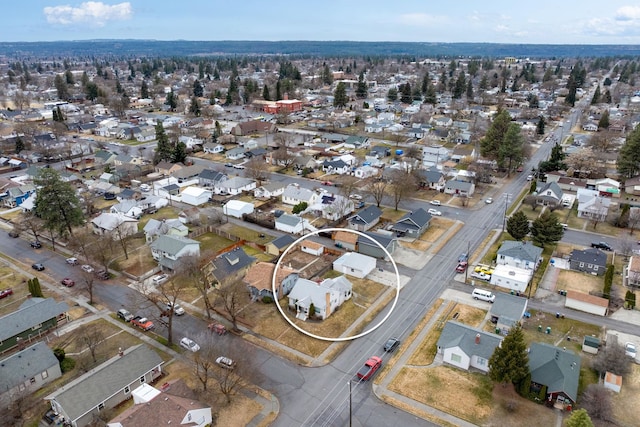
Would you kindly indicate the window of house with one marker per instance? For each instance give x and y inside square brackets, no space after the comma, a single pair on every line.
[481,361]
[127,390]
[36,327]
[581,264]
[142,380]
[100,406]
[22,387]
[32,380]
[595,268]
[456,358]
[44,375]
[590,266]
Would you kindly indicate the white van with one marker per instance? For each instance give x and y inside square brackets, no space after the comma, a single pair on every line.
[483,295]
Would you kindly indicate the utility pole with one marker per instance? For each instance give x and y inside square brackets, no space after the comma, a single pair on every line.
[466,270]
[350,412]
[506,204]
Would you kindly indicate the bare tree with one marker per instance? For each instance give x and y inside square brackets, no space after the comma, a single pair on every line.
[612,358]
[634,219]
[87,281]
[92,337]
[597,400]
[228,294]
[204,366]
[257,168]
[376,188]
[21,100]
[582,162]
[101,250]
[31,223]
[123,238]
[281,154]
[602,141]
[402,184]
[190,269]
[232,381]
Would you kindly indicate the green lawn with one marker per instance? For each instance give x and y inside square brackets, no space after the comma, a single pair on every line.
[211,242]
[165,213]
[248,234]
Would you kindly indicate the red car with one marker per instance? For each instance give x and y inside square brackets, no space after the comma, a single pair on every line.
[370,367]
[5,293]
[462,266]
[67,282]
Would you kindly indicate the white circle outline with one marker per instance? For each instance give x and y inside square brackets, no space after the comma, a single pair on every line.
[318,337]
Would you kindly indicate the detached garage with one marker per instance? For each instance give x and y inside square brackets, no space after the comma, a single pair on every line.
[237,208]
[587,303]
[355,264]
[195,196]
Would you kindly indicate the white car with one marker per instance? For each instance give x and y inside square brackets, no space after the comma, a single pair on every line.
[72,261]
[177,310]
[87,268]
[160,279]
[434,212]
[630,349]
[435,202]
[225,362]
[189,344]
[489,201]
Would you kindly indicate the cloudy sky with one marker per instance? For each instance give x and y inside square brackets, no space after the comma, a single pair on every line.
[494,21]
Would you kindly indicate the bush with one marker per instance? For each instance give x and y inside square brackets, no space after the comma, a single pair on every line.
[67,364]
[59,354]
[267,299]
[608,281]
[300,207]
[630,300]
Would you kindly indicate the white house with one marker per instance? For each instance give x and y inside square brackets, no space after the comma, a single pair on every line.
[128,208]
[366,171]
[294,194]
[466,347]
[168,250]
[195,196]
[592,206]
[290,224]
[519,254]
[212,148]
[509,277]
[116,225]
[267,191]
[311,247]
[325,297]
[355,264]
[237,208]
[234,186]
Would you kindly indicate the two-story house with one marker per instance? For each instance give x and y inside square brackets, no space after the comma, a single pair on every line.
[319,300]
[167,250]
[116,225]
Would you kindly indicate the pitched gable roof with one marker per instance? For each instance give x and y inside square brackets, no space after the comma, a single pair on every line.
[230,263]
[261,274]
[416,219]
[557,368]
[524,251]
[366,215]
[455,334]
[508,308]
[591,256]
[25,364]
[283,241]
[172,244]
[32,312]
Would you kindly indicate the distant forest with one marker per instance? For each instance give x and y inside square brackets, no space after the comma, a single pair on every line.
[154,48]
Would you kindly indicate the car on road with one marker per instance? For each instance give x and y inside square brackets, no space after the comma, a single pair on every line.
[239,166]
[435,202]
[391,344]
[14,234]
[329,183]
[68,282]
[87,268]
[160,279]
[370,367]
[461,267]
[36,244]
[434,212]
[189,344]
[225,362]
[529,177]
[630,349]
[463,257]
[228,165]
[145,188]
[177,310]
[356,196]
[102,275]
[601,245]
[72,261]
[37,266]
[489,200]
[5,293]
[125,315]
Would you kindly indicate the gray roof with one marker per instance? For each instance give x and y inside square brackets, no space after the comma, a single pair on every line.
[524,251]
[458,185]
[212,175]
[237,182]
[229,263]
[557,368]
[172,244]
[86,392]
[283,241]
[413,220]
[298,193]
[590,256]
[290,220]
[155,226]
[455,334]
[384,240]
[508,308]
[33,311]
[553,187]
[366,215]
[23,365]
[431,175]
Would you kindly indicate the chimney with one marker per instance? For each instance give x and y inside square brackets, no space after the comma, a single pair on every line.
[477,338]
[120,352]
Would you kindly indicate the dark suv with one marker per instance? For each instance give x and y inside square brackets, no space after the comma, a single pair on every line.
[601,245]
[391,344]
[36,244]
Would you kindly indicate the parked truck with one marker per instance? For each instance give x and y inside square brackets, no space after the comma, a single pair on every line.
[143,323]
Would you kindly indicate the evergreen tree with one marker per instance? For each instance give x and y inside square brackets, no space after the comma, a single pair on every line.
[509,362]
[265,93]
[556,160]
[164,151]
[460,86]
[430,96]
[278,91]
[579,418]
[518,225]
[596,96]
[540,126]
[546,229]
[392,94]
[91,91]
[469,90]
[56,203]
[19,145]
[511,150]
[171,100]
[603,123]
[198,90]
[61,87]
[629,155]
[327,76]
[35,290]
[144,90]
[492,141]
[361,89]
[194,106]
[607,97]
[68,76]
[340,96]
[179,153]
[405,93]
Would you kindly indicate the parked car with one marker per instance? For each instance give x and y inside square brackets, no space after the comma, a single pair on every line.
[5,293]
[177,310]
[103,275]
[391,344]
[14,234]
[145,187]
[159,279]
[151,210]
[434,212]
[370,367]
[225,362]
[72,261]
[601,245]
[37,266]
[229,165]
[109,196]
[36,244]
[489,200]
[238,166]
[630,349]
[125,315]
[189,344]
[87,268]
[529,177]
[461,267]
[68,282]
[435,202]
[329,183]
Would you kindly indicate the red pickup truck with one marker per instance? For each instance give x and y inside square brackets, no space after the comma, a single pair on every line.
[143,323]
[370,367]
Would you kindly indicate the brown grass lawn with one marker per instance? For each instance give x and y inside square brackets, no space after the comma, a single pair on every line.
[460,393]
[530,213]
[212,242]
[11,216]
[168,212]
[247,233]
[262,256]
[391,215]
[140,261]
[490,255]
[581,282]
[560,328]
[628,400]
[437,228]
[534,413]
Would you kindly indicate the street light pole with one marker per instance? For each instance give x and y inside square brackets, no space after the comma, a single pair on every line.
[504,219]
[350,403]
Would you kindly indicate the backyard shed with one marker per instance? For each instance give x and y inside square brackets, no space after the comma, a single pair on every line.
[236,208]
[590,344]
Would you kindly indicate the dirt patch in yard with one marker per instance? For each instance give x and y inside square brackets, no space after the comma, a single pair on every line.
[627,401]
[140,261]
[436,229]
[581,282]
[509,409]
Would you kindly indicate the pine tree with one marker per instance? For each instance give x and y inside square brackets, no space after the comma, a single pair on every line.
[179,153]
[57,203]
[34,288]
[171,100]
[492,141]
[194,106]
[579,418]
[392,94]
[518,225]
[603,123]
[540,126]
[430,96]
[361,90]
[198,90]
[164,151]
[144,90]
[405,93]
[19,145]
[546,229]
[340,96]
[509,362]
[278,91]
[596,96]
[265,93]
[629,155]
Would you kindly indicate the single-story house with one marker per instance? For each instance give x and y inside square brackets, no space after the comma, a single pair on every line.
[346,240]
[128,208]
[555,369]
[367,247]
[27,371]
[587,303]
[272,189]
[549,194]
[116,225]
[507,310]
[290,224]
[466,347]
[509,277]
[431,178]
[365,171]
[235,153]
[210,177]
[311,247]
[237,208]
[365,219]
[189,215]
[167,250]
[279,245]
[412,224]
[195,196]
[228,265]
[355,264]
[259,280]
[459,188]
[234,186]
[319,300]
[593,207]
[519,254]
[212,148]
[590,260]
[338,167]
[294,194]
[106,386]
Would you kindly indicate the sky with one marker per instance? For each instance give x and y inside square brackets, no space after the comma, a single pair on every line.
[489,21]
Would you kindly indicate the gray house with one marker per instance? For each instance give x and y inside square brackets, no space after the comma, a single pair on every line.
[557,370]
[549,194]
[209,178]
[519,254]
[106,386]
[412,224]
[506,311]
[27,371]
[367,247]
[466,347]
[365,219]
[228,265]
[589,260]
